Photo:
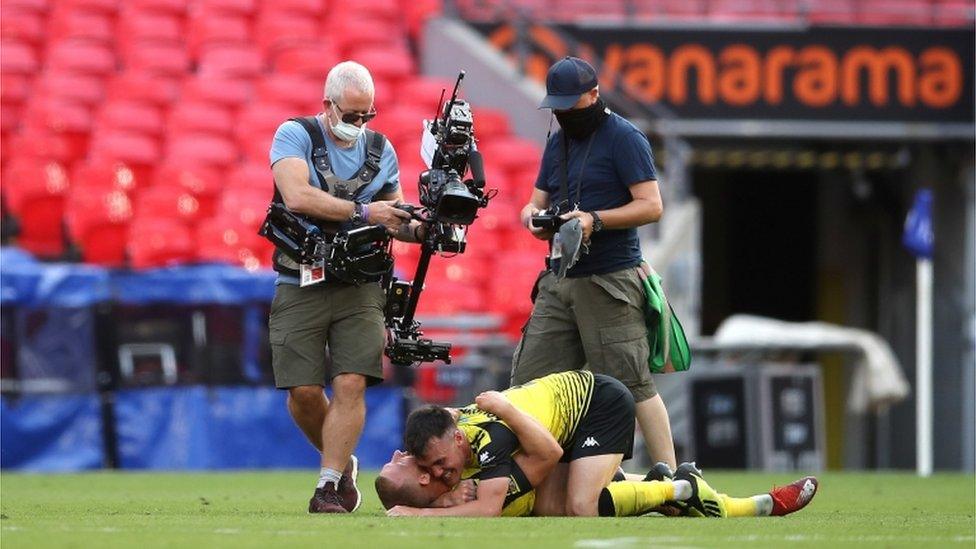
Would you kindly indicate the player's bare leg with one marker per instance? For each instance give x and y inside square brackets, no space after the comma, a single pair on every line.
[587,478]
[550,496]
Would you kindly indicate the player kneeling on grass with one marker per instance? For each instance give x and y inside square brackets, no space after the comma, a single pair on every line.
[512,442]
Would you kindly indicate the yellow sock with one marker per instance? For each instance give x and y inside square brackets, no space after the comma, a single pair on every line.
[740,507]
[627,498]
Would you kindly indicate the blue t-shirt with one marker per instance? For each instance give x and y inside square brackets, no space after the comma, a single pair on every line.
[620,156]
[292,141]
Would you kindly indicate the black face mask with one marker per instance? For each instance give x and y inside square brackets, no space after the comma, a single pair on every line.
[580,123]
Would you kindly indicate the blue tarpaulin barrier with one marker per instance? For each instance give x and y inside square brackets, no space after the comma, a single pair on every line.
[236,427]
[51,433]
[184,427]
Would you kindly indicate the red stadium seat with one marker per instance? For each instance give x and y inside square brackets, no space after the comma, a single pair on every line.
[188,117]
[35,190]
[159,242]
[512,153]
[391,64]
[248,206]
[276,30]
[223,61]
[66,24]
[146,87]
[199,180]
[490,123]
[360,10]
[207,28]
[425,94]
[256,148]
[352,34]
[226,240]
[157,58]
[99,176]
[107,7]
[428,389]
[130,116]
[308,9]
[22,25]
[138,150]
[69,121]
[17,57]
[202,148]
[142,27]
[447,297]
[175,7]
[98,223]
[225,92]
[252,177]
[205,184]
[400,124]
[243,8]
[14,88]
[297,94]
[72,86]
[36,6]
[312,60]
[41,143]
[168,202]
[260,121]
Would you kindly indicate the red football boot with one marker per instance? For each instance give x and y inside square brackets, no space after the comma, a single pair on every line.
[793,497]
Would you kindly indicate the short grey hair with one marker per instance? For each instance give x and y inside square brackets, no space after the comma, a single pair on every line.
[345,75]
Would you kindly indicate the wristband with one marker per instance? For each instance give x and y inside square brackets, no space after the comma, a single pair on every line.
[365,213]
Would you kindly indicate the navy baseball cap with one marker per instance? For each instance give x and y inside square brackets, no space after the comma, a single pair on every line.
[567,80]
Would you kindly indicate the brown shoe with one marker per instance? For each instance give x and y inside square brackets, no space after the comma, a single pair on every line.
[326,500]
[347,490]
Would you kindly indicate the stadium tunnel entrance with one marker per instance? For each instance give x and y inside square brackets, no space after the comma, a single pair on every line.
[813,233]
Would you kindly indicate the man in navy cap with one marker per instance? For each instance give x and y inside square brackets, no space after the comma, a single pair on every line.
[597,168]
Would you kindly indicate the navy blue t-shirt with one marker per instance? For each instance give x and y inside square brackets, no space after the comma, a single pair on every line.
[620,156]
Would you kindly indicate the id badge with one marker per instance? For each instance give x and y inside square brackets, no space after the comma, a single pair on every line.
[557,247]
[311,273]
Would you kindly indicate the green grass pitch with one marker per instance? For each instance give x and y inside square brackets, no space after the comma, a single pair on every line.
[267,509]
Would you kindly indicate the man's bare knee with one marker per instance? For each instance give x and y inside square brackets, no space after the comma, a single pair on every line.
[580,507]
[348,388]
[306,398]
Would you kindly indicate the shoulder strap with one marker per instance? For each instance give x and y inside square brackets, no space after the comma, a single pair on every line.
[320,153]
[564,182]
[375,144]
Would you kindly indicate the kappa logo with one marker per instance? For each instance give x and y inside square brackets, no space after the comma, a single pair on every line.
[590,442]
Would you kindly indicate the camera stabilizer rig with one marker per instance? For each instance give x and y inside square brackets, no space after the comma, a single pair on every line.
[448,205]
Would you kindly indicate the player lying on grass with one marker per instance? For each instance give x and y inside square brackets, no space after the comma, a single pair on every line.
[585,414]
[405,489]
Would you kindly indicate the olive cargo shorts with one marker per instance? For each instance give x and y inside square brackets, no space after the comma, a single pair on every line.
[594,322]
[348,318]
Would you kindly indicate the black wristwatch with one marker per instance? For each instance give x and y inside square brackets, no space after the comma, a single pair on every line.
[597,222]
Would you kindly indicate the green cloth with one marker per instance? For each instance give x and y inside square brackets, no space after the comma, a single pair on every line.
[665,336]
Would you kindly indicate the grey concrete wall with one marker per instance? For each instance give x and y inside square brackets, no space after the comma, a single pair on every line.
[490,80]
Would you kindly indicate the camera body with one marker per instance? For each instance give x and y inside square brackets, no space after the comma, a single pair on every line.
[450,200]
[355,256]
[548,219]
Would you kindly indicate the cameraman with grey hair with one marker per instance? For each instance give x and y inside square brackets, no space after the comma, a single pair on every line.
[333,170]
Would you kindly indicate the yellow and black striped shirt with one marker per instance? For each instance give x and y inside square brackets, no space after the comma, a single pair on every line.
[557,401]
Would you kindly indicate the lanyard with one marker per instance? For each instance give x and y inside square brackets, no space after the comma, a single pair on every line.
[564,184]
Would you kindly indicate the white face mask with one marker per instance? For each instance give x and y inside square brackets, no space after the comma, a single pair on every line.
[345,131]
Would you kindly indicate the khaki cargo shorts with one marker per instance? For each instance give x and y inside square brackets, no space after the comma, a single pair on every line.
[594,322]
[345,318]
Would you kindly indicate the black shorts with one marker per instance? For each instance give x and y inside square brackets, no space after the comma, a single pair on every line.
[608,426]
